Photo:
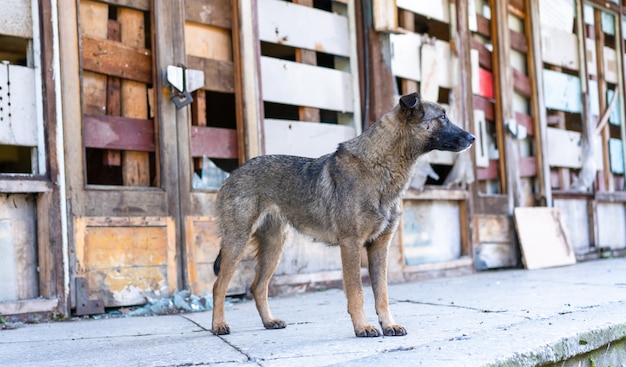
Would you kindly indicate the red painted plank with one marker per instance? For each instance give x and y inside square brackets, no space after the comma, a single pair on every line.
[521,83]
[485,82]
[485,105]
[528,167]
[116,132]
[489,173]
[213,142]
[526,121]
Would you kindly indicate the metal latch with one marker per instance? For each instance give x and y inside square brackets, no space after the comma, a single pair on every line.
[183,82]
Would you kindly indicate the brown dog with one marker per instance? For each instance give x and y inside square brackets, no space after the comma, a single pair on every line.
[349,198]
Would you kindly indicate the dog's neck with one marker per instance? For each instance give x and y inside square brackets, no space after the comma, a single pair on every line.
[373,147]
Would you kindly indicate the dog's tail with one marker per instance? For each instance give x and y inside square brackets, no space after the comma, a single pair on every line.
[216,264]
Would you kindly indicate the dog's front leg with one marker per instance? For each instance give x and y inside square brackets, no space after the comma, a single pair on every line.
[377,262]
[351,263]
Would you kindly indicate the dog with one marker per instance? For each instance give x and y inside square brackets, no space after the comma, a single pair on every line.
[349,198]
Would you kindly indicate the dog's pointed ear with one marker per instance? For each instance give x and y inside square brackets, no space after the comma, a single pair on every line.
[410,100]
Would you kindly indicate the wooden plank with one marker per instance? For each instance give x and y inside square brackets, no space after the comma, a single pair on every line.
[526,121]
[217,13]
[94,93]
[116,132]
[134,99]
[113,97]
[484,55]
[485,82]
[213,142]
[438,9]
[544,241]
[576,219]
[406,61]
[93,19]
[28,306]
[562,91]
[488,173]
[494,228]
[429,87]
[435,193]
[611,219]
[564,148]
[486,106]
[527,167]
[304,139]
[480,129]
[385,14]
[304,27]
[218,74]
[25,186]
[208,42]
[113,58]
[494,255]
[308,57]
[133,4]
[483,25]
[518,41]
[17,18]
[616,156]
[521,83]
[325,88]
[610,65]
[559,48]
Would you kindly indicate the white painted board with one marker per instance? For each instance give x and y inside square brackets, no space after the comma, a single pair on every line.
[429,87]
[405,55]
[564,148]
[306,139]
[481,146]
[543,238]
[611,229]
[436,9]
[305,27]
[559,48]
[562,91]
[616,156]
[576,218]
[18,111]
[298,84]
[16,18]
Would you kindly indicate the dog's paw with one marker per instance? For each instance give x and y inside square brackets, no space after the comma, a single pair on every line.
[394,330]
[221,329]
[275,324]
[367,331]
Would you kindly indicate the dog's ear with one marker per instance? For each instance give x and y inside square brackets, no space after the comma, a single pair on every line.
[412,107]
[410,100]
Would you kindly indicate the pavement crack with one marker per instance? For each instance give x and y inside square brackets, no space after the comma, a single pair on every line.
[452,305]
[195,323]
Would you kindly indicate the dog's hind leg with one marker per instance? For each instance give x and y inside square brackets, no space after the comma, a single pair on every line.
[270,237]
[230,255]
[377,262]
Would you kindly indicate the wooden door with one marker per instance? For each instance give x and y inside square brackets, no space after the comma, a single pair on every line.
[122,170]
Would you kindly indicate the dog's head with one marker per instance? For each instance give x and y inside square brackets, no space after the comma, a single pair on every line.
[429,125]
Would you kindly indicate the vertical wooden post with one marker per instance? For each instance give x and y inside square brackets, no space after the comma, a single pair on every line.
[114,98]
[135,165]
[407,21]
[609,183]
[198,118]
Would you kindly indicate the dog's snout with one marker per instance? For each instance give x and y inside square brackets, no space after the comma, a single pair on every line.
[471,138]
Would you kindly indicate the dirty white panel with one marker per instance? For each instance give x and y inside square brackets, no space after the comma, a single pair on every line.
[610,65]
[301,255]
[494,255]
[436,9]
[557,14]
[304,139]
[564,148]
[559,48]
[576,218]
[8,271]
[16,18]
[298,84]
[562,91]
[18,112]
[405,55]
[305,27]
[431,231]
[18,248]
[611,229]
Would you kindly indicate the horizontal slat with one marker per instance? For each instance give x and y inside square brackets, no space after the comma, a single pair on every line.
[115,59]
[303,27]
[304,138]
[521,83]
[437,9]
[213,142]
[218,75]
[115,132]
[485,105]
[489,173]
[526,121]
[217,13]
[518,42]
[208,42]
[559,48]
[484,25]
[562,91]
[484,55]
[134,4]
[528,167]
[25,186]
[297,84]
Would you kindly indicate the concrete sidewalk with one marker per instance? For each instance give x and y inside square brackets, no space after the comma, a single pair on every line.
[507,318]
